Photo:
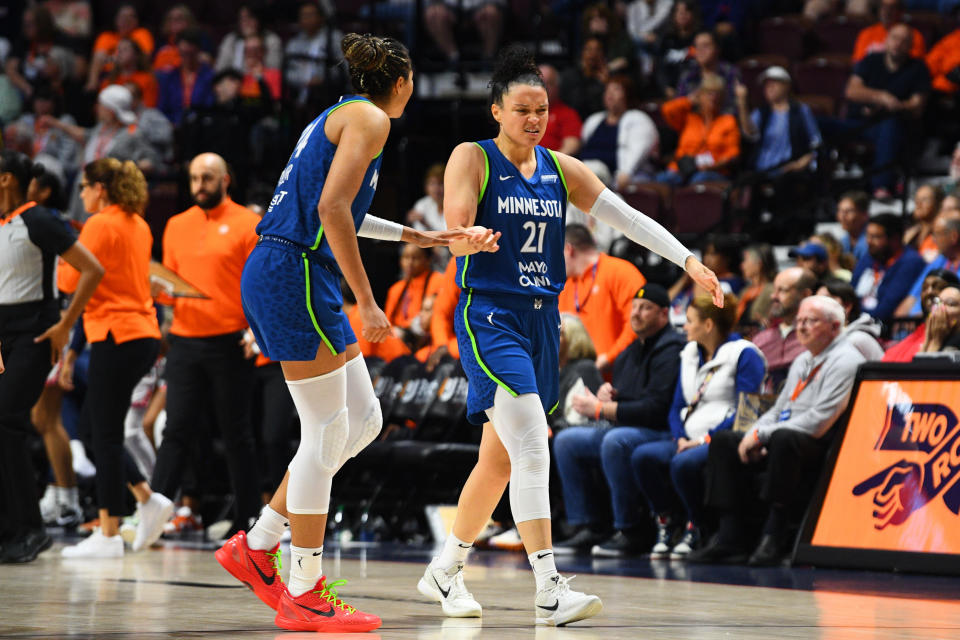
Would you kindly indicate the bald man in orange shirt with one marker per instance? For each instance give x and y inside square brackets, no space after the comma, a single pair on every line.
[600,291]
[208,363]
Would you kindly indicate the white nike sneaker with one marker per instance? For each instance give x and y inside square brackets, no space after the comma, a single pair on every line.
[96,545]
[558,604]
[154,513]
[447,588]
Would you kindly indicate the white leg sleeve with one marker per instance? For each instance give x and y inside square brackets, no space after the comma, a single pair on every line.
[322,405]
[363,409]
[522,427]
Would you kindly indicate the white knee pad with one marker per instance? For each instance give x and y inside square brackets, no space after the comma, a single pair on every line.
[363,409]
[321,404]
[522,427]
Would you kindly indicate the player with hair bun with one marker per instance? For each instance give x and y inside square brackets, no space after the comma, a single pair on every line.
[508,325]
[291,297]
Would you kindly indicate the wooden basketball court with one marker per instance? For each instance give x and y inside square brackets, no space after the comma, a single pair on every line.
[180,592]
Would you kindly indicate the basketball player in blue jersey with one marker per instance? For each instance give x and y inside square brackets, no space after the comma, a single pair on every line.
[291,296]
[508,326]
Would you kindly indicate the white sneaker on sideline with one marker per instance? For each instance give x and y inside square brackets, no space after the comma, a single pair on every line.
[558,604]
[154,513]
[447,588]
[509,540]
[96,545]
[49,507]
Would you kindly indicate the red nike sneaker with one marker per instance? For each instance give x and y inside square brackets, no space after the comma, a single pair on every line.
[258,569]
[321,610]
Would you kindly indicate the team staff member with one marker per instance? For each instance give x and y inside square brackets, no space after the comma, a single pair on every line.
[208,245]
[32,333]
[599,290]
[120,323]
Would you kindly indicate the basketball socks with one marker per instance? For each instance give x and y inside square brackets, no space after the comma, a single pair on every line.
[268,530]
[544,567]
[305,569]
[454,552]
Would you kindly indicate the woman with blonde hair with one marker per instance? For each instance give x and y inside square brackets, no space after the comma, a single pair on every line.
[578,369]
[716,366]
[120,322]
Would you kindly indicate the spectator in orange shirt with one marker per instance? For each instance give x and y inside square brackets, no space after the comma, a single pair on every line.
[131,66]
[873,39]
[600,291]
[120,322]
[709,139]
[105,46]
[208,245]
[944,63]
[443,340]
[406,297]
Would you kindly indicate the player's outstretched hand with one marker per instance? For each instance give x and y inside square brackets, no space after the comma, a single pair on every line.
[482,239]
[706,279]
[376,327]
[441,238]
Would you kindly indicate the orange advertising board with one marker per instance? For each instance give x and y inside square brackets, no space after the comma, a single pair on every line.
[894,485]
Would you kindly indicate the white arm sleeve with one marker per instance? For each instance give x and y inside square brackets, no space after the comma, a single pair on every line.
[644,231]
[379,229]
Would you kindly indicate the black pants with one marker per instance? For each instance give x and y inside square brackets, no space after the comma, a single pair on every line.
[115,369]
[27,365]
[275,411]
[793,459]
[202,370]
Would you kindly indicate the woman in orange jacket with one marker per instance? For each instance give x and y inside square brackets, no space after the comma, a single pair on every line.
[709,138]
[120,322]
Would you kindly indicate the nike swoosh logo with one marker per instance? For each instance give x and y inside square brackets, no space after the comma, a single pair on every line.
[465,546]
[267,580]
[502,178]
[544,555]
[319,553]
[553,608]
[445,593]
[329,613]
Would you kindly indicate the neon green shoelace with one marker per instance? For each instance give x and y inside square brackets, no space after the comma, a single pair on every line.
[329,592]
[275,558]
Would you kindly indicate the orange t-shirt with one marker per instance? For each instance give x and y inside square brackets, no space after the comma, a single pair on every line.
[943,58]
[108,40]
[721,140]
[121,305]
[143,79]
[405,299]
[874,38]
[444,307]
[208,249]
[602,297]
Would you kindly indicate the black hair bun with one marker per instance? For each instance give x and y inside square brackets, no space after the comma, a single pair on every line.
[515,61]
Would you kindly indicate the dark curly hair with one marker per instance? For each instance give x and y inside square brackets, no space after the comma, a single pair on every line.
[515,65]
[21,167]
[375,63]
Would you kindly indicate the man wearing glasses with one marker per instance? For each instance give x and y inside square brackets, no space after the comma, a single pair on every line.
[778,341]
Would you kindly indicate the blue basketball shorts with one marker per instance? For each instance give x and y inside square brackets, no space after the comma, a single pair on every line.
[511,341]
[293,304]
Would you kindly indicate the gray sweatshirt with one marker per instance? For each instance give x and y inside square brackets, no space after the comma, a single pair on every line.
[823,398]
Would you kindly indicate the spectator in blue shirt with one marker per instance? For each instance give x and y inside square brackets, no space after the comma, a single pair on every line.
[193,79]
[946,235]
[853,211]
[706,60]
[884,277]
